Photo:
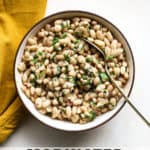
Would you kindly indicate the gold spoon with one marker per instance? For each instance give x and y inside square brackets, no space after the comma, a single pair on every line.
[114,82]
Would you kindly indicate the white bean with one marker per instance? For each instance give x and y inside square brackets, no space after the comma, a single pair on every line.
[100,35]
[113,101]
[117,71]
[58,28]
[58,22]
[114,44]
[55,112]
[77,102]
[74,110]
[100,87]
[32,41]
[75,118]
[68,111]
[81,59]
[122,70]
[92,33]
[96,80]
[38,91]
[45,103]
[21,67]
[100,43]
[109,36]
[38,103]
[72,73]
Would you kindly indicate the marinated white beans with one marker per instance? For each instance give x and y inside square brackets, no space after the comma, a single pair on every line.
[65,78]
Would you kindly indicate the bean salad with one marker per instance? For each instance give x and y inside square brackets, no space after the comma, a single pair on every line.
[65,78]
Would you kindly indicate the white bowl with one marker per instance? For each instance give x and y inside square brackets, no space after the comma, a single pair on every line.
[65,125]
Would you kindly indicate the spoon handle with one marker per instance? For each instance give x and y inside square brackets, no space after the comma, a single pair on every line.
[114,82]
[129,102]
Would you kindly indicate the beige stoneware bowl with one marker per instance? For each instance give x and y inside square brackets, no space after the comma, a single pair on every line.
[64,125]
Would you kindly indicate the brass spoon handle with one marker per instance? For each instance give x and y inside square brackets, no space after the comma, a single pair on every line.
[127,99]
[114,82]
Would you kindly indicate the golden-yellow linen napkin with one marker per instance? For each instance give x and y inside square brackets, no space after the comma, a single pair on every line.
[16,17]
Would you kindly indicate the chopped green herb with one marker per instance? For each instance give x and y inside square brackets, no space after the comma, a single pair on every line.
[89,59]
[36,57]
[41,74]
[35,60]
[92,115]
[72,80]
[39,53]
[88,26]
[78,33]
[57,48]
[93,103]
[109,57]
[75,47]
[55,40]
[66,57]
[53,56]
[77,41]
[64,35]
[84,77]
[33,81]
[63,110]
[104,91]
[42,61]
[89,72]
[104,77]
[89,81]
[66,67]
[58,70]
[65,24]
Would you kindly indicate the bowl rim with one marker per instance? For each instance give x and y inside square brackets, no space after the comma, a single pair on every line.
[90,13]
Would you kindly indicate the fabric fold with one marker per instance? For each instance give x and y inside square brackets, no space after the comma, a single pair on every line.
[16,17]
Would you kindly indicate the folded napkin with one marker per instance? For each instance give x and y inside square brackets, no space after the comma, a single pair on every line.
[16,17]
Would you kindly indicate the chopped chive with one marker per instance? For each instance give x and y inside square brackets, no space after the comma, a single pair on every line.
[57,48]
[78,33]
[91,116]
[39,53]
[53,56]
[104,77]
[66,57]
[109,57]
[89,59]
[89,81]
[35,60]
[66,67]
[77,41]
[65,24]
[93,103]
[58,70]
[55,40]
[64,35]
[72,80]
[63,110]
[42,74]
[36,56]
[84,77]
[104,91]
[33,81]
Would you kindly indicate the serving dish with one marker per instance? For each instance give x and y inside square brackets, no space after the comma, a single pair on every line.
[64,125]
